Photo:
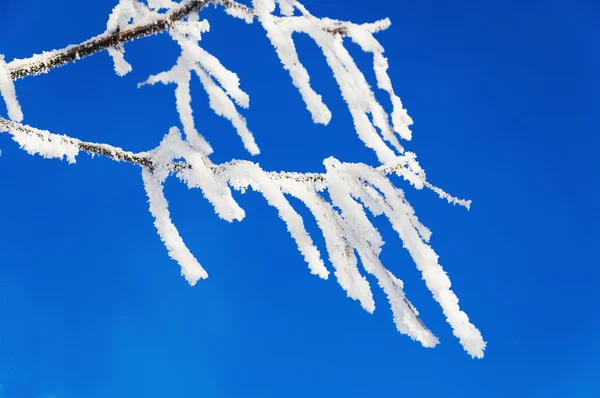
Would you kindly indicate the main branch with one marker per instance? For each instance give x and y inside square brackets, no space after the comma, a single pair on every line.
[144,159]
[42,63]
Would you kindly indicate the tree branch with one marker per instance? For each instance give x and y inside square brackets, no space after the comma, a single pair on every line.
[42,63]
[143,159]
[109,151]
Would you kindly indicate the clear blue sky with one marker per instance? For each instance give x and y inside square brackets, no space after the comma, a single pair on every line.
[505,101]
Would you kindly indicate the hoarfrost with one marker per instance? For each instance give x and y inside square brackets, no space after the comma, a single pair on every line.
[355,190]
[7,90]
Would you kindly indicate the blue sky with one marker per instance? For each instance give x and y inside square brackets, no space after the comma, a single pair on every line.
[504,96]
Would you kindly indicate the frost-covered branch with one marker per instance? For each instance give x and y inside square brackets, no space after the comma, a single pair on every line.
[42,63]
[50,145]
[343,199]
[34,141]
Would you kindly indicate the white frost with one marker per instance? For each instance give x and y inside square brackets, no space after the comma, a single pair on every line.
[122,67]
[223,106]
[180,75]
[190,267]
[341,253]
[124,15]
[7,90]
[358,179]
[161,4]
[286,50]
[210,71]
[46,144]
[243,174]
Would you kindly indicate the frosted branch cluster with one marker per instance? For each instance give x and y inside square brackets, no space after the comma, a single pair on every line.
[341,198]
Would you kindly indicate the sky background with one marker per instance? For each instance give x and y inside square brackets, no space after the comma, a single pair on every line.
[505,101]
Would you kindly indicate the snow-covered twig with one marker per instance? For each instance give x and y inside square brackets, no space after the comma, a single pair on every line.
[42,63]
[33,135]
[143,159]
